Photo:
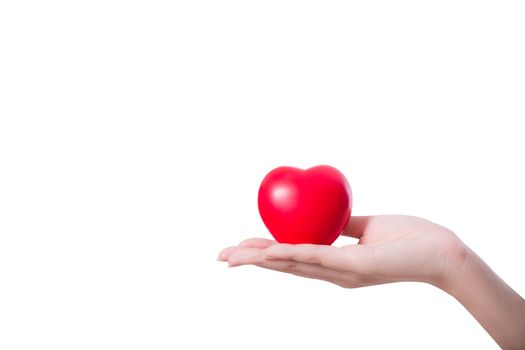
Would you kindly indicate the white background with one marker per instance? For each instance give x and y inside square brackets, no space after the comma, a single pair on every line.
[134,136]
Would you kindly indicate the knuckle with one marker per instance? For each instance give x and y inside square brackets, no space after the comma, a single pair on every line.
[344,284]
[292,266]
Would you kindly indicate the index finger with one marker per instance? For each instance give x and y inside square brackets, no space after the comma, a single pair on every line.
[326,256]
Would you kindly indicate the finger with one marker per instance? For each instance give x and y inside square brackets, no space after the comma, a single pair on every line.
[245,256]
[249,243]
[226,252]
[357,225]
[303,270]
[257,243]
[326,256]
[356,258]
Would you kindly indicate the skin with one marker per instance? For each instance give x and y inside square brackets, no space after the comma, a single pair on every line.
[395,248]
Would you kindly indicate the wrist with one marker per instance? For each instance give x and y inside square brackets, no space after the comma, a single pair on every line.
[459,262]
[498,308]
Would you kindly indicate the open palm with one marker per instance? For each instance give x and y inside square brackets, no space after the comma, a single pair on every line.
[391,248]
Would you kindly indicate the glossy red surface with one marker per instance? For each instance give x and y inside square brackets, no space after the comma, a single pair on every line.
[305,206]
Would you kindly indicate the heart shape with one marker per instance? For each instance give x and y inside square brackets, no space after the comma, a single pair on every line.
[305,206]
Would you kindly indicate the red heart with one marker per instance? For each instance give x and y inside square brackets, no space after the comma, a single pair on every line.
[305,206]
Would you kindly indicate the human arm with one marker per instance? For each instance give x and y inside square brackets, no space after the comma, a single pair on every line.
[396,248]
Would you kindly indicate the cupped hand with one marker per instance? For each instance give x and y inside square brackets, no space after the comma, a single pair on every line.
[391,248]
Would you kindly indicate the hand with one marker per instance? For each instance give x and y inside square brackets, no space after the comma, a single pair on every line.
[395,248]
[391,248]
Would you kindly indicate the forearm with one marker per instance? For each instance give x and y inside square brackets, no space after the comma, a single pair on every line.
[496,306]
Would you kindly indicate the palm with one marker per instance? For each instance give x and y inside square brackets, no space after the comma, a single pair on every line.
[404,247]
[391,248]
